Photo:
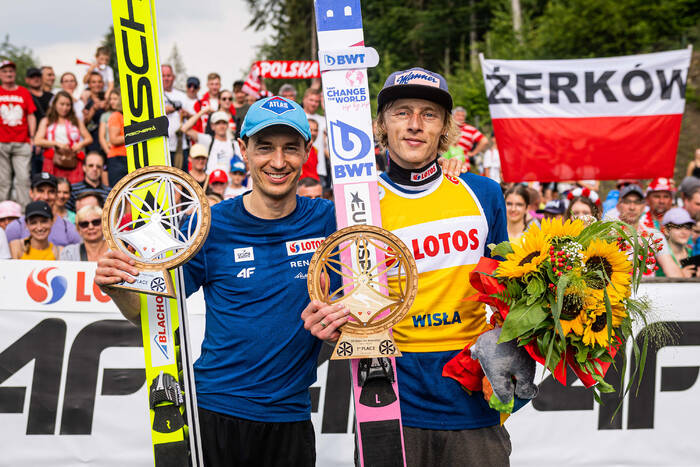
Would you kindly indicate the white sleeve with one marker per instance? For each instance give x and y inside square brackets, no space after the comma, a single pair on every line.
[110,74]
[204,139]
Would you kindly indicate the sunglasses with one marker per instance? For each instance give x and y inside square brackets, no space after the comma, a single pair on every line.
[227,98]
[193,86]
[94,223]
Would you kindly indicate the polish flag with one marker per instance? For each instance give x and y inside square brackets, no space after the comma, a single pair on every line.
[600,118]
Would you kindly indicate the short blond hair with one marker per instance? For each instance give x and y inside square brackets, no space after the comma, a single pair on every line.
[86,211]
[448,137]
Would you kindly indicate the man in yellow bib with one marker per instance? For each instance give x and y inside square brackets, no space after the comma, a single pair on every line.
[447,222]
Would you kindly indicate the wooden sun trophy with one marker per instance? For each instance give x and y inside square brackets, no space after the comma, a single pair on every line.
[380,281]
[171,225]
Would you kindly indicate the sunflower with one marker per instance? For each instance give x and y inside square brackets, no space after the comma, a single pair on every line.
[528,253]
[559,228]
[596,329]
[605,256]
[572,313]
[595,300]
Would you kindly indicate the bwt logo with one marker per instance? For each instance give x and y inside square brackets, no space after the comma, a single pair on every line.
[277,105]
[344,59]
[349,143]
[46,286]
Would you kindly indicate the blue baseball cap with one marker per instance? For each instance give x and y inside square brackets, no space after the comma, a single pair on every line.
[275,110]
[417,83]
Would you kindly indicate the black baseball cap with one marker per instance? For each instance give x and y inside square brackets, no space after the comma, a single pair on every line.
[554,206]
[192,81]
[44,178]
[416,83]
[33,72]
[38,208]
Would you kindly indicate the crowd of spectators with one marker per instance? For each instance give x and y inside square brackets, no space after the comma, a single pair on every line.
[62,149]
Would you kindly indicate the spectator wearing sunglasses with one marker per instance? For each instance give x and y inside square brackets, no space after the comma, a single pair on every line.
[678,226]
[94,246]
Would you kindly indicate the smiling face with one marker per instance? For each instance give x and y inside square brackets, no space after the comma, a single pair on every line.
[515,207]
[679,234]
[39,227]
[96,83]
[413,128]
[90,227]
[43,192]
[631,208]
[275,156]
[63,194]
[63,106]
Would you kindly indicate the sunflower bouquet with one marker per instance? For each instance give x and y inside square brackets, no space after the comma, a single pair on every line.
[565,293]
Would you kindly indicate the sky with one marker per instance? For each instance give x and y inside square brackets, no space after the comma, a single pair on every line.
[211,35]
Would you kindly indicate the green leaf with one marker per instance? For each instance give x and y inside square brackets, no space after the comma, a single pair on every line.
[520,319]
[535,287]
[608,312]
[502,249]
[556,310]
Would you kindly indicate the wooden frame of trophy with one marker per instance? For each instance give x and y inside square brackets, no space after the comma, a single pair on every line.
[169,229]
[380,281]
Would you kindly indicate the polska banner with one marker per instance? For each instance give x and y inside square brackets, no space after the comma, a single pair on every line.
[599,118]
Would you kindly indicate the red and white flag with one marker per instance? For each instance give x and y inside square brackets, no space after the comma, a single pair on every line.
[253,82]
[599,118]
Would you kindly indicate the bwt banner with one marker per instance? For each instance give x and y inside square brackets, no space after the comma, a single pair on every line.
[73,389]
[599,118]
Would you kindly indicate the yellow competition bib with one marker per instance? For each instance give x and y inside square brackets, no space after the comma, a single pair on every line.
[446,230]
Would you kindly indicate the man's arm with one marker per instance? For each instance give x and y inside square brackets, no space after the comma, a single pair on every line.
[31,122]
[113,268]
[480,146]
[669,267]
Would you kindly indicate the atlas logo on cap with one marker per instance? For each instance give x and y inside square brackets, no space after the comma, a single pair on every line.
[412,77]
[277,105]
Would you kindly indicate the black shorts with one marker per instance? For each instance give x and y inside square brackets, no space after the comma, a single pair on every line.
[236,442]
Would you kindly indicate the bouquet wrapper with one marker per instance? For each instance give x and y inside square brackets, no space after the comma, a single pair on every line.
[468,372]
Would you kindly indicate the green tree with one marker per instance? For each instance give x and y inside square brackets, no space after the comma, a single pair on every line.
[108,41]
[22,56]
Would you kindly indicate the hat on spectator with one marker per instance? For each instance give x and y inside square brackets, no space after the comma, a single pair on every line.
[219,116]
[677,216]
[661,184]
[198,150]
[32,72]
[554,206]
[237,166]
[44,178]
[192,81]
[629,189]
[689,184]
[218,176]
[5,63]
[415,83]
[626,181]
[275,110]
[10,209]
[38,208]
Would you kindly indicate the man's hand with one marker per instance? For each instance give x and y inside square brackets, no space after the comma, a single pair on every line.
[323,320]
[453,167]
[115,267]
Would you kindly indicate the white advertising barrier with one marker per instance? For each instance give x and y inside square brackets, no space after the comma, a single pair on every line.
[72,386]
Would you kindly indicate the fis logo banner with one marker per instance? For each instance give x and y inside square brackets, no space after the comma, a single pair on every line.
[300,247]
[46,286]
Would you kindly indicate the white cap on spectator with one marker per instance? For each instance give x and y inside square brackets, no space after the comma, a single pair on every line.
[219,116]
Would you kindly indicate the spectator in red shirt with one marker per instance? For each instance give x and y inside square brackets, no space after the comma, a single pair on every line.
[660,200]
[310,167]
[17,127]
[210,100]
[470,139]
